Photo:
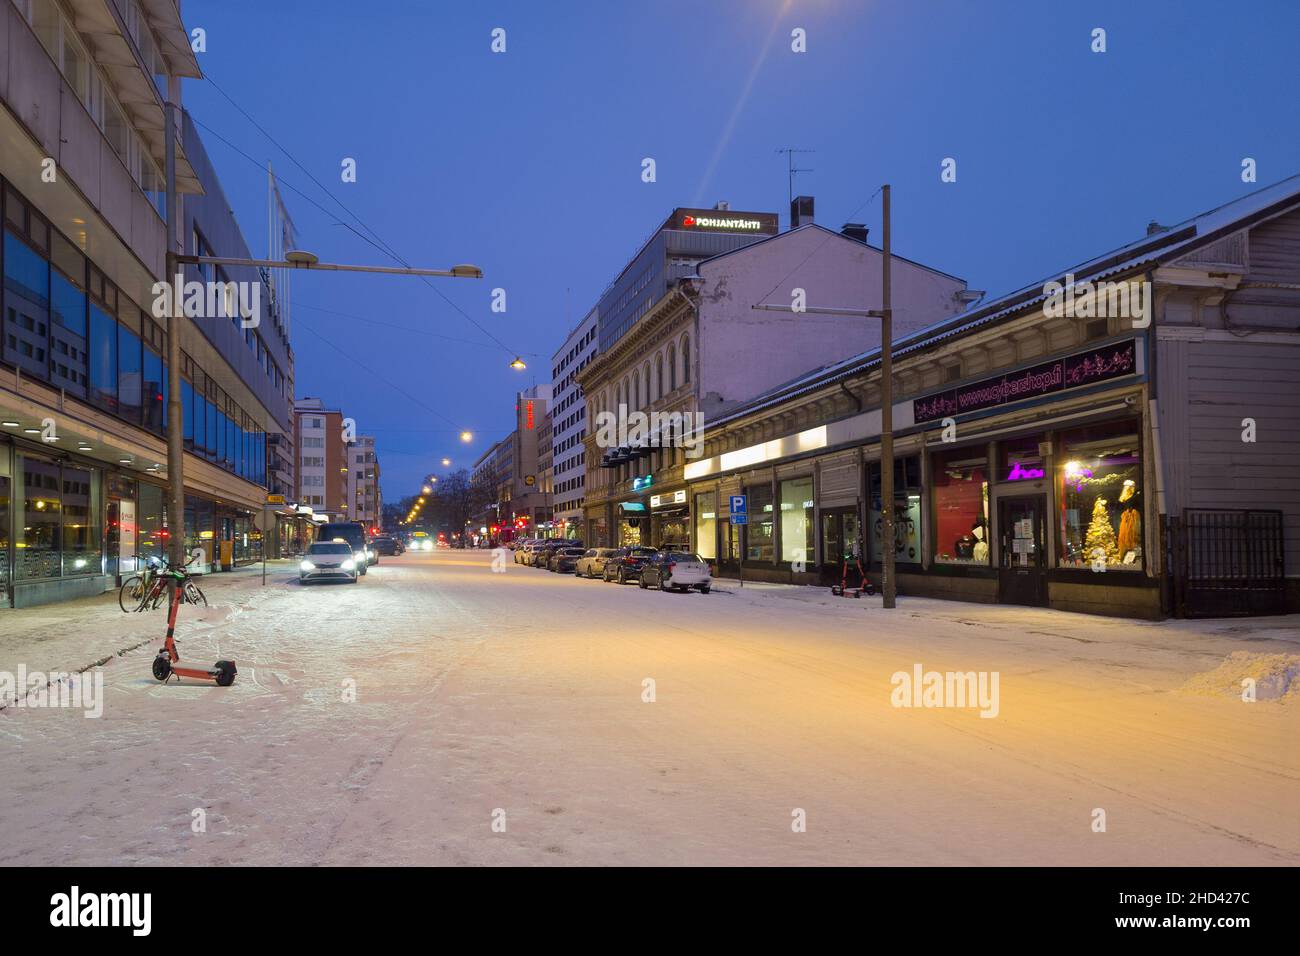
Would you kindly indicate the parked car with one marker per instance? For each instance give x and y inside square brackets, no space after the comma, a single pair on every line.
[330,561]
[546,549]
[524,551]
[592,562]
[625,564]
[386,544]
[354,534]
[565,560]
[679,570]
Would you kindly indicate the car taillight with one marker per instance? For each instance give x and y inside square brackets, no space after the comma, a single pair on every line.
[671,565]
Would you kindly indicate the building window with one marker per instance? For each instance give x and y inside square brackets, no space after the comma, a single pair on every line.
[706,524]
[1100,483]
[961,508]
[81,531]
[686,359]
[758,534]
[103,359]
[38,539]
[907,510]
[797,527]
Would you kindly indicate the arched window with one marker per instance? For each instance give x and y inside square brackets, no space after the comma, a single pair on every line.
[645,382]
[686,359]
[659,376]
[672,368]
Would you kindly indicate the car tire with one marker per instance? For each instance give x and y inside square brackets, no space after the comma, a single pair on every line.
[353,579]
[662,585]
[704,589]
[641,584]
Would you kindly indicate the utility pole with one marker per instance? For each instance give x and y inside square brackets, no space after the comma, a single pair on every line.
[889,587]
[175,423]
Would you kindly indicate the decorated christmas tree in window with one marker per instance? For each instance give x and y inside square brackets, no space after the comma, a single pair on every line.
[1099,543]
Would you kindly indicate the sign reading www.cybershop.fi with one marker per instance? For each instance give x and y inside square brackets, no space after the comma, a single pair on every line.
[39,690]
[208,300]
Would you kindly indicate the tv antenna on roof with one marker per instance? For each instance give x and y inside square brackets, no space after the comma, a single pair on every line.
[792,169]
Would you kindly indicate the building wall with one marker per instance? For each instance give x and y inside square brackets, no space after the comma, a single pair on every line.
[743,351]
[569,421]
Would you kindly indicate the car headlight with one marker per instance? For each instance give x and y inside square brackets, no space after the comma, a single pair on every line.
[349,565]
[359,555]
[307,566]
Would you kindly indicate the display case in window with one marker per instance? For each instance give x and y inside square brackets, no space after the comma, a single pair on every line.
[759,530]
[1099,480]
[907,510]
[961,508]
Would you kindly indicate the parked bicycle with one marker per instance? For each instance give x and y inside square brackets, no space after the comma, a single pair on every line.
[147,591]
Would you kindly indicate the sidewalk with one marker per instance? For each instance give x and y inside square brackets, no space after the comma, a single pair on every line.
[71,636]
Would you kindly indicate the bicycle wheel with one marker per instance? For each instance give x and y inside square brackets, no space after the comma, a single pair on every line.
[130,594]
[194,595]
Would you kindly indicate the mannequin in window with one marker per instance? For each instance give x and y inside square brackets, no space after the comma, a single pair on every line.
[1130,522]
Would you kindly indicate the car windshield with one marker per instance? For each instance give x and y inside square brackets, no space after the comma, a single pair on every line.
[684,556]
[642,552]
[329,547]
[577,551]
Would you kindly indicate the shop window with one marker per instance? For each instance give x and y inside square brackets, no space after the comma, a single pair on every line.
[1021,459]
[102,360]
[907,510]
[81,531]
[961,508]
[27,303]
[37,554]
[151,385]
[1100,484]
[151,538]
[706,524]
[797,525]
[759,531]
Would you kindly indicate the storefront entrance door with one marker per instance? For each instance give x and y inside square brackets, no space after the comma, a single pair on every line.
[841,538]
[1021,578]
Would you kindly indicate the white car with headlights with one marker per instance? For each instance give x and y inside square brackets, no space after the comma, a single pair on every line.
[420,541]
[328,561]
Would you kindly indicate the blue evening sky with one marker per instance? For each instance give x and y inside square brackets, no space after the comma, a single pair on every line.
[528,163]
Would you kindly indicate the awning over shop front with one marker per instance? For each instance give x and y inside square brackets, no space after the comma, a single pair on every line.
[631,507]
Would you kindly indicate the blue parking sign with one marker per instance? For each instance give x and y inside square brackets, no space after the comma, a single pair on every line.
[738,509]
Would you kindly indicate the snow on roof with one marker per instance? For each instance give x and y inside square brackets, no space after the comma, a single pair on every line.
[1164,246]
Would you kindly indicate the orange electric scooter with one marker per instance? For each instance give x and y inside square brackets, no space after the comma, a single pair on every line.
[164,665]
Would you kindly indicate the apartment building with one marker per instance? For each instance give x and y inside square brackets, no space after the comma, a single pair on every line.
[323,468]
[363,496]
[569,428]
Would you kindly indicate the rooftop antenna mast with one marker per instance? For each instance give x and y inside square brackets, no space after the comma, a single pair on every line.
[791,169]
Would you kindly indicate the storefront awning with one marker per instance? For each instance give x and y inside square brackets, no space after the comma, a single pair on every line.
[635,507]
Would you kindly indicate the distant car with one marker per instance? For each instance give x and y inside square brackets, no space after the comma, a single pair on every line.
[420,541]
[551,546]
[354,534]
[565,560]
[626,563]
[523,551]
[385,544]
[541,553]
[592,562]
[679,570]
[330,561]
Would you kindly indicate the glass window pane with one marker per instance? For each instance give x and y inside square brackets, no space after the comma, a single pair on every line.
[961,508]
[152,386]
[907,510]
[1100,482]
[706,524]
[67,335]
[103,359]
[130,395]
[27,305]
[81,537]
[37,545]
[797,528]
[759,533]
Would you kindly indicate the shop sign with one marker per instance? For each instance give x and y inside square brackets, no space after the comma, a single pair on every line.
[1086,368]
[643,482]
[1019,472]
[678,498]
[719,220]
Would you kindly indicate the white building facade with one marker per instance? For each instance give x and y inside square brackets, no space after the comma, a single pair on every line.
[569,427]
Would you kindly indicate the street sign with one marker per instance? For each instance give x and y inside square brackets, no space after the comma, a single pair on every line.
[738,509]
[275,499]
[264,520]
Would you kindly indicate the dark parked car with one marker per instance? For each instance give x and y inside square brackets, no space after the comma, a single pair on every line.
[386,544]
[565,560]
[543,553]
[625,564]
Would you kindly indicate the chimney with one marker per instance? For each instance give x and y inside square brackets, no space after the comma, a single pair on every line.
[722,205]
[1153,228]
[854,230]
[801,211]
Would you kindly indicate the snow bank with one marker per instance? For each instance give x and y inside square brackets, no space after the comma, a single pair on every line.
[1275,677]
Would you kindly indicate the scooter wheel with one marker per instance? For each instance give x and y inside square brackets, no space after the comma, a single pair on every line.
[225,673]
[162,667]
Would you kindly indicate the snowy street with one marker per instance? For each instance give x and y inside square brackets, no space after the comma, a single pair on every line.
[437,712]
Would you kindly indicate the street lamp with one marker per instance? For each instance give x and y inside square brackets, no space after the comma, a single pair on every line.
[467,437]
[518,364]
[446,463]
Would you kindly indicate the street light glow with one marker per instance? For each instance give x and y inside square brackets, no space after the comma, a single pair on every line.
[467,437]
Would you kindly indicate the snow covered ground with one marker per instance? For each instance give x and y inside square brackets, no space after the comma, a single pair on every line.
[440,713]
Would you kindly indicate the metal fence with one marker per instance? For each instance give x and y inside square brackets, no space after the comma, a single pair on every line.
[1226,563]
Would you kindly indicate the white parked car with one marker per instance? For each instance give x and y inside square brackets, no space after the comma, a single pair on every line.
[679,570]
[328,561]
